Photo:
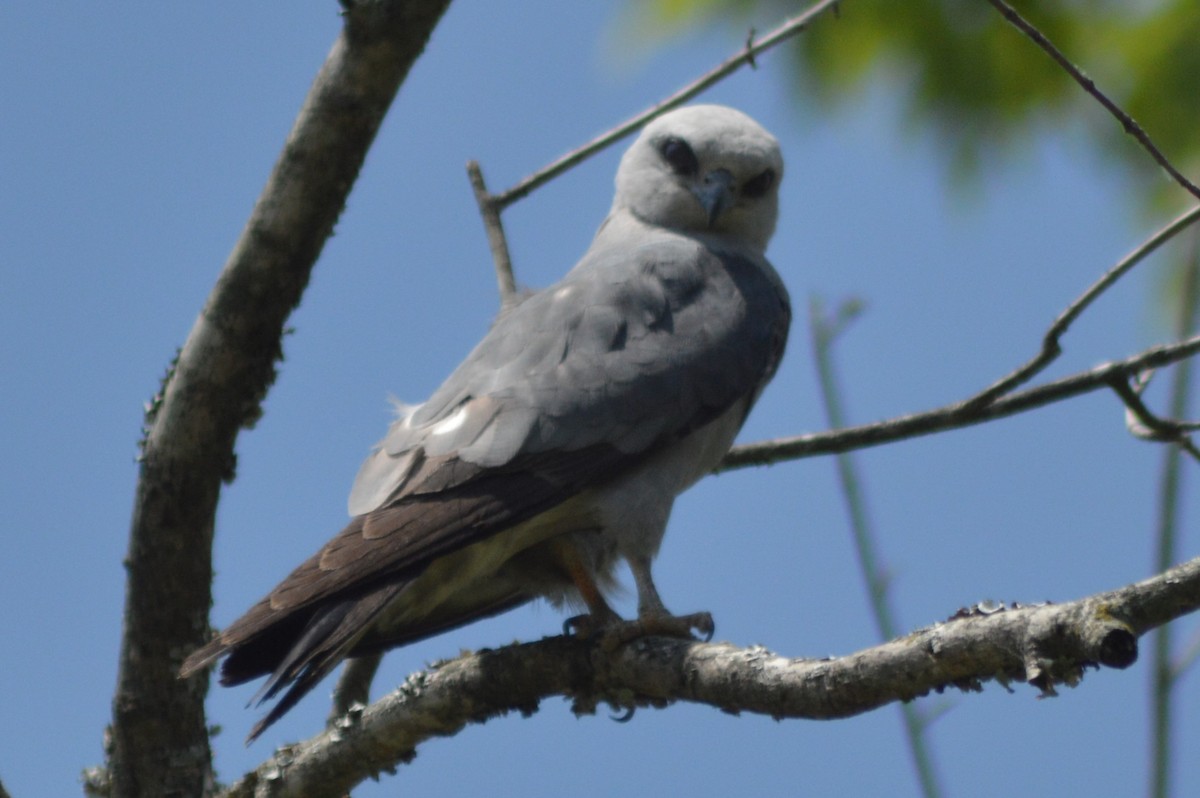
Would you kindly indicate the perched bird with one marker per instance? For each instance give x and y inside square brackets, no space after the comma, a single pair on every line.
[558,446]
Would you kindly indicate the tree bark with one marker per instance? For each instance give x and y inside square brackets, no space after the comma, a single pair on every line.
[1043,645]
[158,744]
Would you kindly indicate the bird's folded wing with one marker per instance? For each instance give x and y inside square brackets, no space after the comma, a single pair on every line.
[634,349]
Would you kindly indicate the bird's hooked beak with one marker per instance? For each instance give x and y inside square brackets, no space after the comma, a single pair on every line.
[716,194]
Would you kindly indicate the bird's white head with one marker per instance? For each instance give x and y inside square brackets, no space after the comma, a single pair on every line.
[704,169]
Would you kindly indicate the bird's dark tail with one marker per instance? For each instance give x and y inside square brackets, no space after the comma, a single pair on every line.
[325,640]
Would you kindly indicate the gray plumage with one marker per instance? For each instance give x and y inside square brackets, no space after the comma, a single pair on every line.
[558,446]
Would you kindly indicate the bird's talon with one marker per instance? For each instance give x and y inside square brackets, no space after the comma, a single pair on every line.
[618,633]
[589,625]
[703,623]
[580,626]
[680,625]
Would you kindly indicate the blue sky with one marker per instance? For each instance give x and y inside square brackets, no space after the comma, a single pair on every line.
[135,141]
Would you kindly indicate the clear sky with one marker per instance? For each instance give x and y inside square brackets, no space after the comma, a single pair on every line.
[135,139]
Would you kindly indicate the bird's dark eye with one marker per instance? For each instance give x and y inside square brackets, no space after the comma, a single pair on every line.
[676,152]
[759,185]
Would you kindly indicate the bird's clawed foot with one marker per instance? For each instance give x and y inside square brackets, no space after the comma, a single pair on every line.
[676,625]
[613,632]
[590,624]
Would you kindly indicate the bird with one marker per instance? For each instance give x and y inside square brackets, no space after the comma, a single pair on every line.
[556,449]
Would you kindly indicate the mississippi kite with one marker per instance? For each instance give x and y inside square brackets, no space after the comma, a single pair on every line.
[559,445]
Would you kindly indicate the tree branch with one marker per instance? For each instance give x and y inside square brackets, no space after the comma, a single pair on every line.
[745,56]
[955,415]
[489,210]
[988,403]
[1045,646]
[1131,127]
[1145,424]
[225,368]
[995,401]
[1051,341]
[491,205]
[159,734]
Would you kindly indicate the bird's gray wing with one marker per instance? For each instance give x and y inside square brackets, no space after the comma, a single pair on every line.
[635,348]
[637,345]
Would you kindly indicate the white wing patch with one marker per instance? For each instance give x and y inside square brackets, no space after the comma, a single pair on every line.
[448,425]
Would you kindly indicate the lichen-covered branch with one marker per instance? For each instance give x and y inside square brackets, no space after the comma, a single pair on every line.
[159,737]
[1045,646]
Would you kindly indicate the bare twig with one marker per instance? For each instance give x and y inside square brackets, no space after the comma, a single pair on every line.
[1051,346]
[995,401]
[746,55]
[489,211]
[1045,646]
[954,416]
[1131,127]
[1144,423]
[491,205]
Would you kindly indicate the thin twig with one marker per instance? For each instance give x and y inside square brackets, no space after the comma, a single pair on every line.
[745,56]
[1051,346]
[1144,423]
[491,205]
[954,416]
[489,211]
[1131,127]
[824,331]
[995,401]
